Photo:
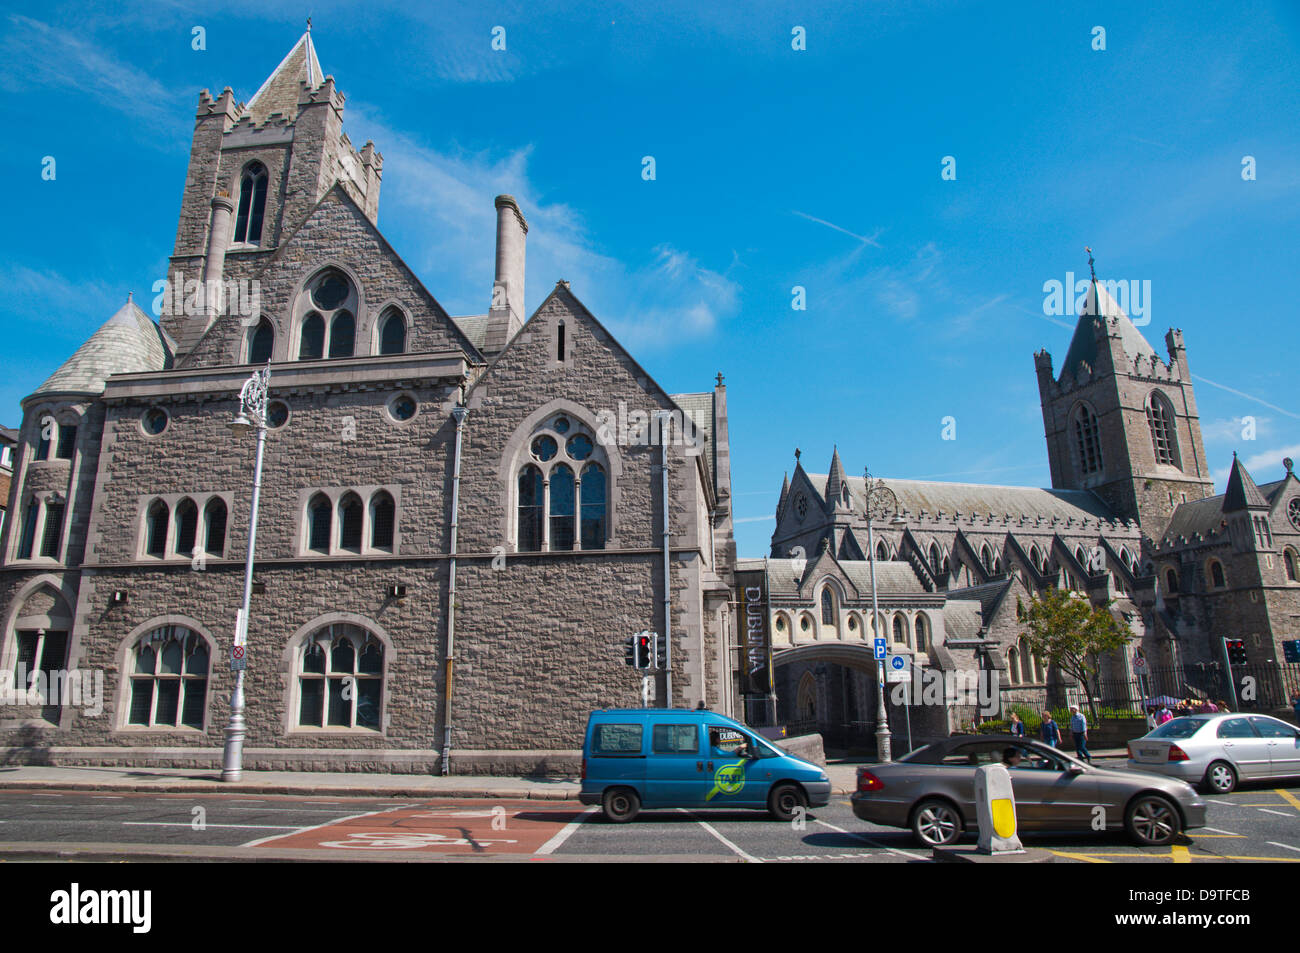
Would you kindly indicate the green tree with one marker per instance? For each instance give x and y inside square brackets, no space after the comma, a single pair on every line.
[1068,631]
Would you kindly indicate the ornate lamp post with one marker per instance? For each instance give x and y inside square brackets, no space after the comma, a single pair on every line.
[881,504]
[252,415]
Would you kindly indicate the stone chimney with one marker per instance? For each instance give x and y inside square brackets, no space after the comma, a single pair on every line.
[506,315]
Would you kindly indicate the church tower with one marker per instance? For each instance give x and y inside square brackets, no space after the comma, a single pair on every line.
[256,171]
[1120,420]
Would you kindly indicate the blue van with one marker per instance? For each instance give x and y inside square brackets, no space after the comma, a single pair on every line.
[673,757]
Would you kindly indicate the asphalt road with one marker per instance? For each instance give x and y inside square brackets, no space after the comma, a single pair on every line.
[1258,823]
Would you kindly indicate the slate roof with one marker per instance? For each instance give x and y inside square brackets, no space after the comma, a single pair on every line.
[987,595]
[784,575]
[1196,516]
[983,498]
[129,342]
[1083,346]
[474,327]
[962,619]
[279,94]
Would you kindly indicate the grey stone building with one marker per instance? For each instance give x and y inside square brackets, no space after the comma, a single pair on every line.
[458,527]
[1131,519]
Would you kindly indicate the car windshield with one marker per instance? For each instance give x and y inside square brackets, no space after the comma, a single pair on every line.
[919,755]
[1178,728]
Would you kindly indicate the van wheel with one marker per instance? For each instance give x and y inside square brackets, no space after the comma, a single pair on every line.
[785,801]
[621,805]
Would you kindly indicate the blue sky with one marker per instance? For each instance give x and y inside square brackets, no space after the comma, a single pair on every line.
[775,168]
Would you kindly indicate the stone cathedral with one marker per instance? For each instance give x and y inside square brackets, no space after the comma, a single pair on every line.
[449,551]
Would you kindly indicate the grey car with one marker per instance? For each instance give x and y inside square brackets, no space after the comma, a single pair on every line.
[932,792]
[1218,750]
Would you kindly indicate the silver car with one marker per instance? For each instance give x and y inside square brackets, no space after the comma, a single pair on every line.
[1216,751]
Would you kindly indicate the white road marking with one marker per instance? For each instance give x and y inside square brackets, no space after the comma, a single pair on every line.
[285,810]
[554,844]
[47,795]
[1215,830]
[867,840]
[107,797]
[313,827]
[1283,846]
[269,827]
[729,845]
[1278,813]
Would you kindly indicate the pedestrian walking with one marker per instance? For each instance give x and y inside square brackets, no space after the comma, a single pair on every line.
[1079,730]
[1295,706]
[1151,718]
[1164,715]
[1017,726]
[1050,732]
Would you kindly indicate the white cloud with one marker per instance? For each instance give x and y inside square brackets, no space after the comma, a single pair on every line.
[438,209]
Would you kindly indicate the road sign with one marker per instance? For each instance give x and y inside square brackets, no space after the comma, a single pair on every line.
[880,649]
[241,627]
[897,669]
[1139,661]
[237,660]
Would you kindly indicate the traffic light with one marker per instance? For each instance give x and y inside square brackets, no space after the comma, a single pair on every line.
[629,651]
[641,651]
[661,650]
[1236,651]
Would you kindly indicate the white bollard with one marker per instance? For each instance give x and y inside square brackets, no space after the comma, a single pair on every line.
[995,808]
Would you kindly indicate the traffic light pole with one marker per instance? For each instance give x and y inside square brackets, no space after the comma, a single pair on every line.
[1232,685]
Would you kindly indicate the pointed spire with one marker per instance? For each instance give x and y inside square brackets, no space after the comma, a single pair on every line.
[785,493]
[1242,493]
[279,94]
[1099,305]
[835,481]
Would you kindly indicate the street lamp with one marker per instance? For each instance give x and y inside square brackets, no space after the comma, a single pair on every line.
[881,504]
[252,415]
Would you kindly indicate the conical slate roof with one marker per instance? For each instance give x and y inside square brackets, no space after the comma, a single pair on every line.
[1083,346]
[1242,493]
[127,343]
[835,479]
[279,94]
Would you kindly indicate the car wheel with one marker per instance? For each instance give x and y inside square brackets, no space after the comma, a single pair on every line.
[936,823]
[785,801]
[1220,778]
[1152,821]
[621,805]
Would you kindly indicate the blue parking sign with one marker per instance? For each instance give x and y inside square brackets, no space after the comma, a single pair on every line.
[880,649]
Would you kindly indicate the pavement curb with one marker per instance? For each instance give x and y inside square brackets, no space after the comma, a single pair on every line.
[300,790]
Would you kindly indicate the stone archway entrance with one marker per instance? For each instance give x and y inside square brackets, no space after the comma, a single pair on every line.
[830,689]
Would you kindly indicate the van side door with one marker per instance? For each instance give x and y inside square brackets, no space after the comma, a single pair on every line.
[675,767]
[732,778]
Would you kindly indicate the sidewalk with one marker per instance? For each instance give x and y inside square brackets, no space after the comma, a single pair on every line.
[843,777]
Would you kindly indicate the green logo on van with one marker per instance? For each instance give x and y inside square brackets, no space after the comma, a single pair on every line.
[728,779]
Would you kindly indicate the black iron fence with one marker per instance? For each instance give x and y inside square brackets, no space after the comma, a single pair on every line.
[1254,687]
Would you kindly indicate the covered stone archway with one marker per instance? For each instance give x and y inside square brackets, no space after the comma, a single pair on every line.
[828,688]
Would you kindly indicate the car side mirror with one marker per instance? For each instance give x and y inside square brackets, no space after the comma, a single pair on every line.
[1074,769]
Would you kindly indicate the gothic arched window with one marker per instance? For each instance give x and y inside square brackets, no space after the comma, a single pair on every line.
[326,314]
[900,628]
[383,517]
[156,529]
[252,205]
[261,341]
[214,519]
[1087,440]
[320,520]
[350,518]
[828,607]
[1171,582]
[340,678]
[187,527]
[169,679]
[936,560]
[531,507]
[882,550]
[1292,567]
[392,332]
[986,557]
[563,493]
[922,633]
[1160,419]
[1217,579]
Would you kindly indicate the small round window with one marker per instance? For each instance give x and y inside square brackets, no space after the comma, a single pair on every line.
[544,448]
[330,292]
[579,446]
[277,414]
[803,624]
[853,624]
[154,421]
[402,407]
[562,425]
